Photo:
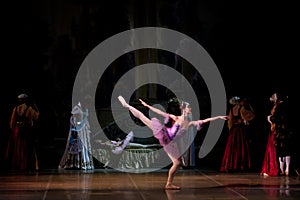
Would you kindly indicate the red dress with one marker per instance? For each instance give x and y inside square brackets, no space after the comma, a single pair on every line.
[21,152]
[236,155]
[270,165]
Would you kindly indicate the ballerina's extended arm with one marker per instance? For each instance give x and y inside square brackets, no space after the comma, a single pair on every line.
[198,123]
[158,111]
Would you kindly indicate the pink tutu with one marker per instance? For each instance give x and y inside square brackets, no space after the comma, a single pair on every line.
[168,137]
[160,132]
[172,150]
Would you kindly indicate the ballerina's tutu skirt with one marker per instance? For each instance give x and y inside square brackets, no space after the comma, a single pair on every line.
[160,132]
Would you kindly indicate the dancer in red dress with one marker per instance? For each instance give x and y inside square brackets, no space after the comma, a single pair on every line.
[21,151]
[237,155]
[278,153]
[270,163]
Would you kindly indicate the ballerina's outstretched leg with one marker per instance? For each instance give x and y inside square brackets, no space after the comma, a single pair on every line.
[138,114]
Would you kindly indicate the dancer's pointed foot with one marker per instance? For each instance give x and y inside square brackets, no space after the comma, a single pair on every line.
[123,102]
[172,187]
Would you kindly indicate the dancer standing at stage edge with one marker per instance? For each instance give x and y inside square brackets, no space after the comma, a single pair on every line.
[21,151]
[167,135]
[280,139]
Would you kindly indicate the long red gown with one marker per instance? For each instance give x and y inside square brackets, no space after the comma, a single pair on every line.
[236,155]
[270,165]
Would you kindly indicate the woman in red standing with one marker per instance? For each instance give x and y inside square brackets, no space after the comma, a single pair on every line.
[270,163]
[237,153]
[21,152]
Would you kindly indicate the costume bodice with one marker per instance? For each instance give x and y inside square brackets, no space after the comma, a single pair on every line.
[175,130]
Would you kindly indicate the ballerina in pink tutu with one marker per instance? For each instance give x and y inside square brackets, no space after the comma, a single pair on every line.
[166,134]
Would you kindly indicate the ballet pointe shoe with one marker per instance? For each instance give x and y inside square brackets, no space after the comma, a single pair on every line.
[123,102]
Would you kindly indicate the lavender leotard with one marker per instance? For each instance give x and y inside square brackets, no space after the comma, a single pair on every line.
[167,135]
[163,134]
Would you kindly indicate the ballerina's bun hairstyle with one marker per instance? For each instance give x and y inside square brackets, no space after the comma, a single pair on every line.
[173,106]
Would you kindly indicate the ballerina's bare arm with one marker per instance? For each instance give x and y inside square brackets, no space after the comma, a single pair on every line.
[153,109]
[196,123]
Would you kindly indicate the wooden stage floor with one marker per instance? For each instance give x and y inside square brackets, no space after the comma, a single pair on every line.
[112,184]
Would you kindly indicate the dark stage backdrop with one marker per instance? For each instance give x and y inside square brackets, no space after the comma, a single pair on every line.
[43,44]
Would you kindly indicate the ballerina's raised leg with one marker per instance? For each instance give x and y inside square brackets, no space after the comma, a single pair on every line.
[138,114]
